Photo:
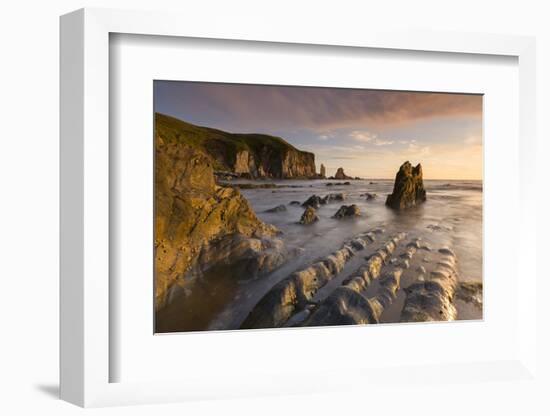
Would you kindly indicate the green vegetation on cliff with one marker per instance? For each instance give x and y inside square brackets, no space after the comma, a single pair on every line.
[254,155]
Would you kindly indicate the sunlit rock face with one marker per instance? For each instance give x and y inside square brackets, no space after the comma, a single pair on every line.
[244,155]
[408,190]
[200,224]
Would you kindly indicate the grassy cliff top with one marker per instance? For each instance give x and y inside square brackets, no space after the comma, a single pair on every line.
[173,130]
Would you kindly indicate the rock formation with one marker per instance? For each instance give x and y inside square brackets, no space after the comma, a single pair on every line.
[333,197]
[309,216]
[316,201]
[295,292]
[246,155]
[278,208]
[399,280]
[341,175]
[347,211]
[323,172]
[408,190]
[313,201]
[198,224]
[431,298]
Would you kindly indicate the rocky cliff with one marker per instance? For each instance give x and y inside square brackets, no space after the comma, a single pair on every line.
[200,225]
[408,189]
[247,155]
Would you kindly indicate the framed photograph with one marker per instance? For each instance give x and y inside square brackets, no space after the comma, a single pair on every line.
[242,213]
[253,232]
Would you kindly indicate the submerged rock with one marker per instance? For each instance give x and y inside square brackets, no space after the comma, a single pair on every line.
[309,216]
[278,208]
[408,190]
[295,203]
[333,197]
[370,196]
[347,211]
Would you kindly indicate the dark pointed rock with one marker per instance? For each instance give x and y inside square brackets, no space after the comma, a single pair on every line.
[313,201]
[341,175]
[408,190]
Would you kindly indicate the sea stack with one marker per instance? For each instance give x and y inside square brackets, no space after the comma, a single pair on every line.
[341,175]
[408,190]
[323,172]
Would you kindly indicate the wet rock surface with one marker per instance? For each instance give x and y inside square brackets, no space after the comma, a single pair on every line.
[194,215]
[401,279]
[347,211]
[333,198]
[296,292]
[309,216]
[313,201]
[470,292]
[316,201]
[408,190]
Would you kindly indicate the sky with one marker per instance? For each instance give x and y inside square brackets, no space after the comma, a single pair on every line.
[369,133]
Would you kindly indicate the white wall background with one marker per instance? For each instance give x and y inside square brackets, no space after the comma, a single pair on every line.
[29,183]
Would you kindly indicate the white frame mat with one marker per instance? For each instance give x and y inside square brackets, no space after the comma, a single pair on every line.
[85,354]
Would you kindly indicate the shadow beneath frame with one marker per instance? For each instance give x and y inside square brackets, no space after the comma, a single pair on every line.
[51,390]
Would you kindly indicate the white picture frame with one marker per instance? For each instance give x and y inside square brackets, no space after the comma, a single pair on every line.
[85,216]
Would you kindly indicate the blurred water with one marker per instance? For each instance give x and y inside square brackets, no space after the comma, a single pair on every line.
[451,216]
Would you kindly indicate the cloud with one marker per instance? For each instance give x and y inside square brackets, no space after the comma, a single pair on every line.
[368,137]
[243,107]
[362,136]
[379,142]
